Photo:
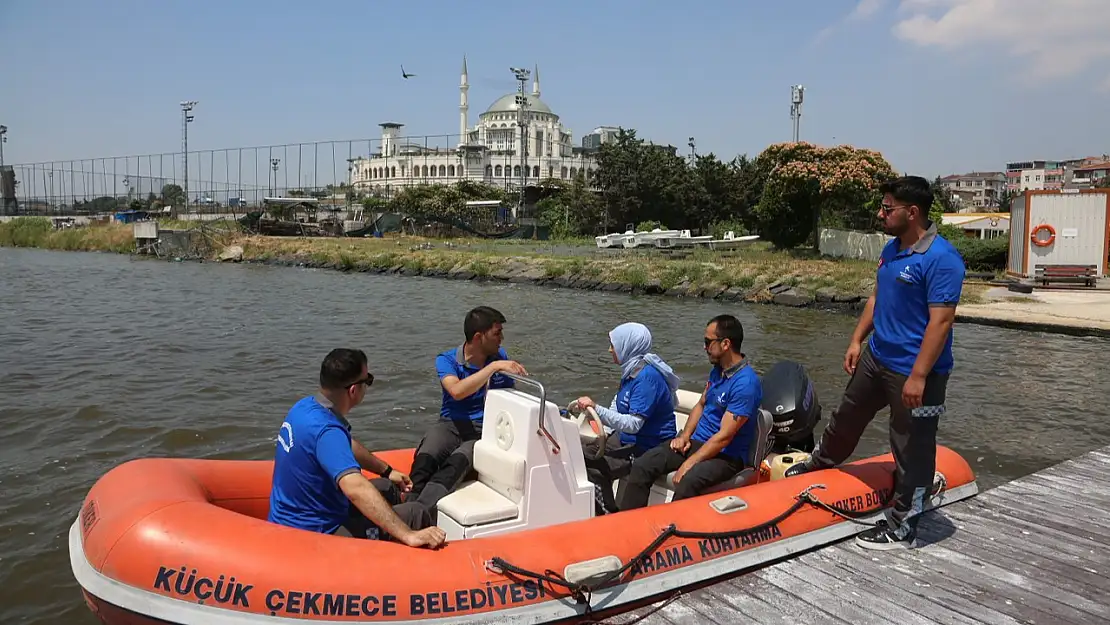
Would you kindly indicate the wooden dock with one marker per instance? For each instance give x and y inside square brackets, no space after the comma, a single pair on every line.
[1035,550]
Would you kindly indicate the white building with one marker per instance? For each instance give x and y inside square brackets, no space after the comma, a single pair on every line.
[486,152]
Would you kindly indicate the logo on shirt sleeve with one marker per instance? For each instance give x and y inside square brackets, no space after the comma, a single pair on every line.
[286,429]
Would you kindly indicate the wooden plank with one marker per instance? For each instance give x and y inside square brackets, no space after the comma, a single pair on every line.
[901,600]
[1030,559]
[1035,550]
[760,602]
[793,577]
[988,528]
[1019,507]
[960,601]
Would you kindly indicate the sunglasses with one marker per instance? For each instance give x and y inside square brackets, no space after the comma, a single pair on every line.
[886,210]
[709,341]
[368,380]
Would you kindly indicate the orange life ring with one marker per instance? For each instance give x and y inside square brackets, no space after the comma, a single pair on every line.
[1043,242]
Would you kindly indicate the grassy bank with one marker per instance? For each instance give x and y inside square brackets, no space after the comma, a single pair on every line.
[753,274]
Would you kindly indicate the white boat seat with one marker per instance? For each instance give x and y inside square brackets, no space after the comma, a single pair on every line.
[758,451]
[522,481]
[495,495]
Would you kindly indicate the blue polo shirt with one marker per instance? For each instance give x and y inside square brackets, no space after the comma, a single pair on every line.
[908,283]
[313,451]
[472,408]
[737,390]
[646,394]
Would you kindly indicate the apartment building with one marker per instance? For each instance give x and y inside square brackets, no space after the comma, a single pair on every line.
[1035,175]
[976,190]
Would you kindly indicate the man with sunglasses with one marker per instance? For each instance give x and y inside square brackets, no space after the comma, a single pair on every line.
[722,427]
[905,363]
[318,483]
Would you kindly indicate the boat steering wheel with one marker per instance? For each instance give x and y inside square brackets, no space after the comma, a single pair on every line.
[590,428]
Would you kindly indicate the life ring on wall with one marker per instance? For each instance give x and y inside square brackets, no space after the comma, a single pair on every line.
[1043,242]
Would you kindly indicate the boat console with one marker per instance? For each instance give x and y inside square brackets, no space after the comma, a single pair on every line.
[530,469]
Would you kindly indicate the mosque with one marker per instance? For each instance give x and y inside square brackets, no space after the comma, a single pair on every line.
[484,153]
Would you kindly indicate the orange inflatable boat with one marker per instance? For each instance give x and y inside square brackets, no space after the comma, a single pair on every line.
[187,542]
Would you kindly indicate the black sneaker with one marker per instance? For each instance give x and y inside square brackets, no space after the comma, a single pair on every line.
[884,538]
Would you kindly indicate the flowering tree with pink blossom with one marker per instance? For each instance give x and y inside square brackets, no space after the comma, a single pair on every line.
[807,185]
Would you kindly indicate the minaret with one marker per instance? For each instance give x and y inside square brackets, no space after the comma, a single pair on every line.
[464,86]
[536,81]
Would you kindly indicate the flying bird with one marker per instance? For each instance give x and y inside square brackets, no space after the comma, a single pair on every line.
[404,75]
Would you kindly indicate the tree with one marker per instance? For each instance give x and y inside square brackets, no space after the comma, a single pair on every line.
[173,195]
[570,209]
[808,185]
[1005,199]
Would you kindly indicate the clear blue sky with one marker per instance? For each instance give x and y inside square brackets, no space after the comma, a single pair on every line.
[938,86]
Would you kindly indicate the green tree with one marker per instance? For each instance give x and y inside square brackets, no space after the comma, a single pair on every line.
[173,195]
[807,185]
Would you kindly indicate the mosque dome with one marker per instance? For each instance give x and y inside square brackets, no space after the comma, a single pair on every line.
[507,104]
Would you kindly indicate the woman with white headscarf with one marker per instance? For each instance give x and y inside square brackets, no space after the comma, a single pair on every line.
[642,411]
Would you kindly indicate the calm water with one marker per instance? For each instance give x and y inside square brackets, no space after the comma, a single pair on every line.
[105,359]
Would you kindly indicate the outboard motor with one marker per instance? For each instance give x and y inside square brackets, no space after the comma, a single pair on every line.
[790,397]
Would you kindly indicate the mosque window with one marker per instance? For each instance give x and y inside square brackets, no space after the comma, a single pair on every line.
[563,172]
[497,171]
[442,170]
[451,170]
[393,172]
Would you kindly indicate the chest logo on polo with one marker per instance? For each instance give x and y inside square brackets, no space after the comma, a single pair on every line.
[906,275]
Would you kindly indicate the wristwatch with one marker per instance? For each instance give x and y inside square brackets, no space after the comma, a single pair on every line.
[388,470]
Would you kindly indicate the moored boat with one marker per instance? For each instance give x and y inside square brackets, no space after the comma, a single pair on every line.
[186,541]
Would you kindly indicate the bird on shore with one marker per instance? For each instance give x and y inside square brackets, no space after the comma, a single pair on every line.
[405,75]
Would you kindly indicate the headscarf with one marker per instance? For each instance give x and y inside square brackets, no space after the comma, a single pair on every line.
[632,346]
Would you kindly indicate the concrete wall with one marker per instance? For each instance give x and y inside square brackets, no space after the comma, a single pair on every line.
[852,244]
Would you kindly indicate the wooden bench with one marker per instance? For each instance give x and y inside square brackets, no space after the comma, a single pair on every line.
[1087,274]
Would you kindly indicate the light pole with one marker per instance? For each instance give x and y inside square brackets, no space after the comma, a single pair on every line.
[186,117]
[274,163]
[797,94]
[522,122]
[3,140]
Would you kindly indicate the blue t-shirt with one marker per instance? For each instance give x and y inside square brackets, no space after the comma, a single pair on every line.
[740,392]
[472,408]
[908,283]
[647,395]
[313,451]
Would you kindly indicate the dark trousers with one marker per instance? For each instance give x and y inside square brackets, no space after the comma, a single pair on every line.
[444,457]
[614,464]
[662,460]
[913,434]
[413,514]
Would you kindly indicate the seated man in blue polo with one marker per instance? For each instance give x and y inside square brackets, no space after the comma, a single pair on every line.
[722,427]
[641,414]
[445,454]
[318,484]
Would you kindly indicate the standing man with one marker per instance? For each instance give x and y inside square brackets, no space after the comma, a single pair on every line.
[318,484]
[466,372]
[715,443]
[907,359]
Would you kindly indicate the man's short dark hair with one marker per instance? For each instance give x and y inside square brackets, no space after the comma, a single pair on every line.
[481,319]
[341,368]
[913,190]
[729,327]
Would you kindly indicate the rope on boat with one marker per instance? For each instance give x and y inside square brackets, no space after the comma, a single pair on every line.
[582,592]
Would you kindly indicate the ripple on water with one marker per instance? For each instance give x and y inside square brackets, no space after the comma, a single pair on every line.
[120,360]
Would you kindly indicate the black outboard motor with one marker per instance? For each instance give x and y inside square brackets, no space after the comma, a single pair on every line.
[789,395]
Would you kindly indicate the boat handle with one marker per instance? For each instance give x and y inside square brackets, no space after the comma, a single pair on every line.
[543,407]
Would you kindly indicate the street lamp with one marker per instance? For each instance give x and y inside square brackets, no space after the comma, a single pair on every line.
[274,163]
[186,108]
[522,121]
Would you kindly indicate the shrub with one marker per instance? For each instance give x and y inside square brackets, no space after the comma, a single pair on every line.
[983,254]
